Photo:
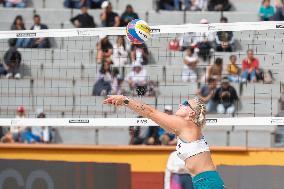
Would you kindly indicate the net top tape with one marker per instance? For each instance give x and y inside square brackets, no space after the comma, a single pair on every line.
[126,122]
[155,30]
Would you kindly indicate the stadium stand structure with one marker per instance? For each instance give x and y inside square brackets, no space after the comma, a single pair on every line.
[60,79]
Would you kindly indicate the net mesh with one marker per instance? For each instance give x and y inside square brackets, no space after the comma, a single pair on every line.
[60,80]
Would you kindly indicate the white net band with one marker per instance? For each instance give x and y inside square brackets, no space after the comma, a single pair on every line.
[160,29]
[123,122]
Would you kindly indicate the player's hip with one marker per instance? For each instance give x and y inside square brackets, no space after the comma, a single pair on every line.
[208,179]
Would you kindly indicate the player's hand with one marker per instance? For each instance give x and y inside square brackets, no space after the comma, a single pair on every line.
[116,100]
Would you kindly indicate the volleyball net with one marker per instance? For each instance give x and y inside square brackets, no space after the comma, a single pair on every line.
[60,80]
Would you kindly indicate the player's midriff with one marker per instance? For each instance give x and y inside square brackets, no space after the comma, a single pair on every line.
[199,163]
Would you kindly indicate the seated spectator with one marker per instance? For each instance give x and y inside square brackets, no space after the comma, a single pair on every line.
[116,82]
[39,42]
[165,137]
[74,4]
[138,134]
[207,92]
[19,24]
[215,70]
[95,4]
[108,17]
[224,40]
[29,137]
[250,67]
[198,5]
[152,137]
[127,16]
[219,5]
[120,52]
[266,11]
[103,84]
[139,52]
[83,20]
[7,138]
[168,4]
[17,130]
[45,133]
[104,49]
[202,42]
[186,41]
[189,70]
[279,13]
[15,3]
[226,97]
[12,61]
[137,79]
[173,4]
[233,70]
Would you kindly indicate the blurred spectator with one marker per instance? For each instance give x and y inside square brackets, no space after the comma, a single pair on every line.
[219,5]
[165,137]
[189,70]
[137,134]
[19,24]
[224,40]
[83,20]
[108,17]
[102,86]
[226,97]
[186,40]
[173,4]
[15,3]
[39,42]
[116,82]
[233,70]
[198,5]
[279,13]
[139,52]
[29,137]
[176,174]
[137,78]
[104,49]
[128,15]
[215,70]
[202,42]
[250,67]
[17,130]
[7,138]
[207,92]
[266,11]
[168,4]
[74,4]
[95,4]
[152,137]
[44,132]
[120,52]
[12,61]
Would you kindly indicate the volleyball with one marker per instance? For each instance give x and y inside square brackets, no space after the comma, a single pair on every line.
[138,31]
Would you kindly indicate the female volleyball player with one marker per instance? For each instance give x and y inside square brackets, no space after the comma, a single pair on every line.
[186,124]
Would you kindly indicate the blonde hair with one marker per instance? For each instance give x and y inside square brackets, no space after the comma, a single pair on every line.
[200,110]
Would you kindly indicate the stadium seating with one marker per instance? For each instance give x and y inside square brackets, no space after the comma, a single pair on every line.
[61,79]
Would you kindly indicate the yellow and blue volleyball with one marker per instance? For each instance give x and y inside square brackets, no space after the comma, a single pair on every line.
[138,31]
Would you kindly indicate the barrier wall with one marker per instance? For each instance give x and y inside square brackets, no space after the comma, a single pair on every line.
[147,162]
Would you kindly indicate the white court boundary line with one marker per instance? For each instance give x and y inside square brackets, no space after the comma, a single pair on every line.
[123,122]
[159,29]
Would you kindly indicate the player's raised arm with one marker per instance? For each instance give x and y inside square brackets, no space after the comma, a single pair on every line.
[169,122]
